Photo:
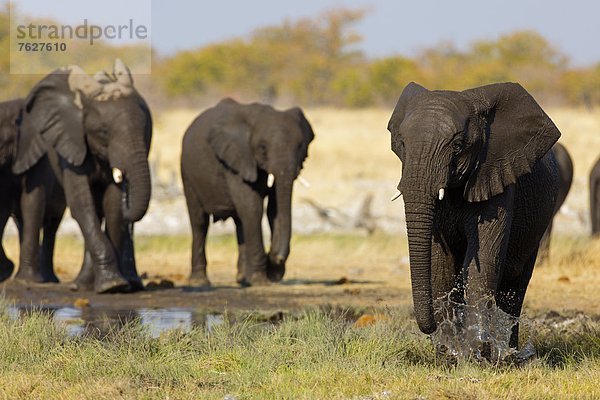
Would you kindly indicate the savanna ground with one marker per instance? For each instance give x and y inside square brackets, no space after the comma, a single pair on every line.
[336,273]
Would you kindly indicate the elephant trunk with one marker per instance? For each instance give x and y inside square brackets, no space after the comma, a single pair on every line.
[419,211]
[282,229]
[136,186]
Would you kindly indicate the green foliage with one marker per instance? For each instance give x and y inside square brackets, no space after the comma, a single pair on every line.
[315,61]
[310,60]
[91,58]
[388,74]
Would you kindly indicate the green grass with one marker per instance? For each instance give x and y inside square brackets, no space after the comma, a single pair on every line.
[317,354]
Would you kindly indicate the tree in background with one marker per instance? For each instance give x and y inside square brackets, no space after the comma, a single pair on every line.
[309,60]
[318,61]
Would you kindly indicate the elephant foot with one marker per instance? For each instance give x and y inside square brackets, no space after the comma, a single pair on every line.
[275,270]
[50,278]
[256,279]
[199,280]
[29,275]
[115,285]
[84,281]
[107,280]
[129,272]
[240,278]
[136,284]
[7,267]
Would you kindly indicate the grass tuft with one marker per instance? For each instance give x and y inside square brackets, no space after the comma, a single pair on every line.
[316,354]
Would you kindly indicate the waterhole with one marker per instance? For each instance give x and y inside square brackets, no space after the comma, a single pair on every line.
[100,321]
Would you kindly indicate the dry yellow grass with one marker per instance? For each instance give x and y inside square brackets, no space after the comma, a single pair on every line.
[581,136]
[353,146]
[349,146]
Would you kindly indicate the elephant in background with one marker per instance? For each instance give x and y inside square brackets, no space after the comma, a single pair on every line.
[233,156]
[479,187]
[595,198]
[11,188]
[565,179]
[93,136]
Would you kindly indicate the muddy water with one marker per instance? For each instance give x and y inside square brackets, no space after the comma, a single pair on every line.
[99,321]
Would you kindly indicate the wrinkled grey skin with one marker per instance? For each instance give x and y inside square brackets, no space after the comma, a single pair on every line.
[595,198]
[75,131]
[488,148]
[227,154]
[11,187]
[9,183]
[565,179]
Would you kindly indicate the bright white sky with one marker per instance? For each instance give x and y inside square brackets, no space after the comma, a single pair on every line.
[392,26]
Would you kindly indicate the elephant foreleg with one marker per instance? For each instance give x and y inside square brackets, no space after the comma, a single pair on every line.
[488,233]
[199,221]
[85,278]
[120,234]
[33,203]
[249,207]
[107,277]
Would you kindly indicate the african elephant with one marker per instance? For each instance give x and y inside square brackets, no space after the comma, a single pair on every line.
[93,136]
[11,187]
[595,198]
[233,156]
[479,188]
[565,179]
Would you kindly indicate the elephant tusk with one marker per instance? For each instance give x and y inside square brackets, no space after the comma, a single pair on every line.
[303,182]
[270,180]
[396,195]
[117,175]
[441,194]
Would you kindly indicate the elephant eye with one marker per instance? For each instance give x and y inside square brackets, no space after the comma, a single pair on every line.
[457,146]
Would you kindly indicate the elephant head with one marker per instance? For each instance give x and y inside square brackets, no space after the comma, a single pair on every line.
[476,142]
[265,147]
[103,116]
[10,112]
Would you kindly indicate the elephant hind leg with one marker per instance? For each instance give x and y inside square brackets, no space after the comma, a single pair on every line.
[544,248]
[199,221]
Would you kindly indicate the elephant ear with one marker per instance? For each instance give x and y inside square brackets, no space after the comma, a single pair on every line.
[52,117]
[305,127]
[517,134]
[410,91]
[231,143]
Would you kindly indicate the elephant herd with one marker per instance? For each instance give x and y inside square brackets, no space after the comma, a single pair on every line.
[481,180]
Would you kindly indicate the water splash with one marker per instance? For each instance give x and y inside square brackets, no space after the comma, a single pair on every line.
[479,331]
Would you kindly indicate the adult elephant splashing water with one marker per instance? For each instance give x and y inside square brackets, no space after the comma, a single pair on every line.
[479,188]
